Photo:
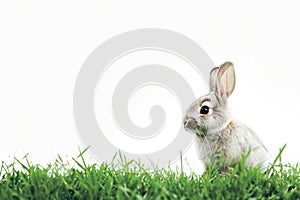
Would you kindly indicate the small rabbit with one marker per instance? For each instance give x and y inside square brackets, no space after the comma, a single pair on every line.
[218,136]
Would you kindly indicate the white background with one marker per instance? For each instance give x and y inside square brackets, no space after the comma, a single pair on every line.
[44,43]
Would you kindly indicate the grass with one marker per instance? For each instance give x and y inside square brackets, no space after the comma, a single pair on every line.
[60,181]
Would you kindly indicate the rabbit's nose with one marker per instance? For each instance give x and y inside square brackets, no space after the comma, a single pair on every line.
[185,120]
[187,123]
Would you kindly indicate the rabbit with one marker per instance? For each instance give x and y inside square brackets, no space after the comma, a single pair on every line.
[218,135]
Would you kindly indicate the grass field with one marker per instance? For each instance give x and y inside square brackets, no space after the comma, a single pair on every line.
[22,180]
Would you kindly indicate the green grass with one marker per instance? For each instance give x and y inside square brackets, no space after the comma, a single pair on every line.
[58,180]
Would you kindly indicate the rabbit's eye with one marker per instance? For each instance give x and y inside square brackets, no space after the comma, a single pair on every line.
[204,110]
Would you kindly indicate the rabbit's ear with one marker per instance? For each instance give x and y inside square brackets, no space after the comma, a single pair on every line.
[213,79]
[226,80]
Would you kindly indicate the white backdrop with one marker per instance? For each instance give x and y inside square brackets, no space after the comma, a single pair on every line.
[43,45]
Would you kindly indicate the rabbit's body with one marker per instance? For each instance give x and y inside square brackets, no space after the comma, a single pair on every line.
[230,144]
[220,137]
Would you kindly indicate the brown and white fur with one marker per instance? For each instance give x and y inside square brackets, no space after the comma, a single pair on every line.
[218,135]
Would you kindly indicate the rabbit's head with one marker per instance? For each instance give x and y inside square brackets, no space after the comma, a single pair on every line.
[209,113]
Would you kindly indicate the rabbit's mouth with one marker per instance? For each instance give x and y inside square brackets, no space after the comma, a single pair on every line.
[191,125]
[201,132]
